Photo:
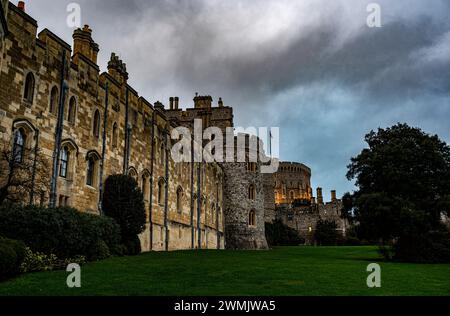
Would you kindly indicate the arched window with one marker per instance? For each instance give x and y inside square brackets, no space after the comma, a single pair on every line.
[28,93]
[252,218]
[180,194]
[161,192]
[64,162]
[92,173]
[90,179]
[114,135]
[19,146]
[145,186]
[54,96]
[133,174]
[72,110]
[96,125]
[252,192]
[292,195]
[162,155]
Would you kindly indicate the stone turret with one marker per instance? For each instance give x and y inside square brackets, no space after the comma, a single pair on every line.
[319,196]
[203,102]
[244,203]
[84,44]
[117,69]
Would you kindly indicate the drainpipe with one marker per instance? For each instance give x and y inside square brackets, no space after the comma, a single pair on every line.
[102,162]
[199,205]
[150,215]
[166,191]
[58,135]
[127,135]
[217,216]
[33,176]
[192,195]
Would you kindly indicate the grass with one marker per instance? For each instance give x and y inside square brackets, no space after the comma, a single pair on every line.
[293,271]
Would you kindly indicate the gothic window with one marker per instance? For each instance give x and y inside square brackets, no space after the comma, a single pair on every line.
[145,186]
[162,155]
[252,192]
[180,194]
[96,125]
[161,192]
[72,110]
[19,146]
[114,135]
[133,174]
[54,96]
[64,162]
[252,218]
[90,171]
[29,88]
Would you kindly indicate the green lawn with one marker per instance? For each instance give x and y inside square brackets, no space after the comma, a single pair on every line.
[282,271]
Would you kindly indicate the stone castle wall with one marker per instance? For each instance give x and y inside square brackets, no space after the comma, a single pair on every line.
[136,138]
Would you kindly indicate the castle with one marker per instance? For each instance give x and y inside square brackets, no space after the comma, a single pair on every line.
[89,125]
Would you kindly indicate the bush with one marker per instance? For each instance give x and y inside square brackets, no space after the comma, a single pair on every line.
[123,201]
[326,233]
[64,232]
[12,254]
[278,234]
[133,246]
[432,247]
[36,262]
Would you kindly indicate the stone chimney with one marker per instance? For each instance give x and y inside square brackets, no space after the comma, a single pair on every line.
[202,102]
[177,101]
[171,103]
[21,6]
[333,196]
[220,103]
[319,196]
[84,44]
[117,69]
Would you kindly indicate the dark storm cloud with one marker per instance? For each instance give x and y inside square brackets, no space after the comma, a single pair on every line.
[312,67]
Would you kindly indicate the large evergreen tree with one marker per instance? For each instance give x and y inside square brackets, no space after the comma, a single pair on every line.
[124,201]
[403,181]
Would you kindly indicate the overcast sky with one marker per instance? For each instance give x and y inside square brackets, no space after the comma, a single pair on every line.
[311,67]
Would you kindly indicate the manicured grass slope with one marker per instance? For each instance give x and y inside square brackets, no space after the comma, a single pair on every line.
[283,271]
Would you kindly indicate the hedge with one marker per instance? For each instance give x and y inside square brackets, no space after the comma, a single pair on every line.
[64,232]
[12,255]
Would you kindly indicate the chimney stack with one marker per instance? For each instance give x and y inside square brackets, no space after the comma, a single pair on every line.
[177,100]
[319,196]
[171,103]
[84,44]
[220,103]
[333,196]
[21,6]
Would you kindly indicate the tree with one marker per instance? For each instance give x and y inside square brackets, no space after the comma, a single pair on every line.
[124,201]
[326,233]
[24,178]
[403,182]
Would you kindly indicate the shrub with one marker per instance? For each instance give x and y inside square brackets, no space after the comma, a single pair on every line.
[36,262]
[432,247]
[133,246]
[12,254]
[326,233]
[278,234]
[64,232]
[123,201]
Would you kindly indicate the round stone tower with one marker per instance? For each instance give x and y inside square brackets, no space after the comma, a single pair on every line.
[244,203]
